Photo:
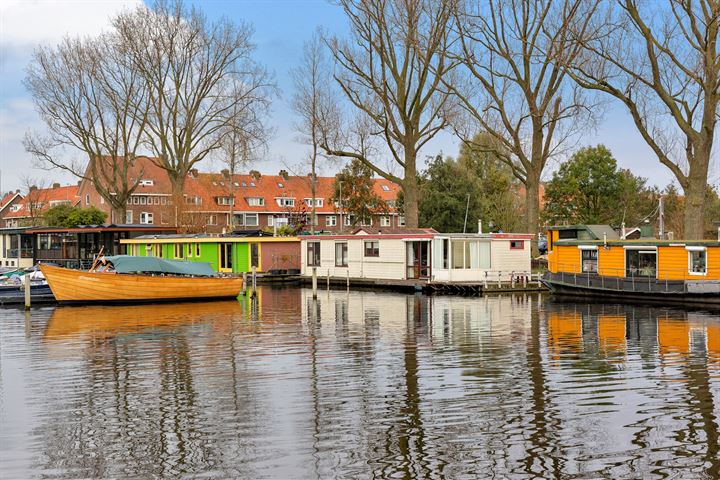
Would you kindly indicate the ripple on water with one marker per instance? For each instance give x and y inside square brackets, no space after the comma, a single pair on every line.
[359,385]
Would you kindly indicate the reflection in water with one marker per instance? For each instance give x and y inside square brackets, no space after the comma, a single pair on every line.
[361,385]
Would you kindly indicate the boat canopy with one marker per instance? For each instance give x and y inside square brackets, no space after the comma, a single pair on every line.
[130,264]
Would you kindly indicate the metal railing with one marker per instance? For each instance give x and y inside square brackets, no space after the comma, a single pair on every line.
[627,279]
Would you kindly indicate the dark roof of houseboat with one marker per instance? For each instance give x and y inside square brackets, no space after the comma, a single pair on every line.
[597,231]
[104,227]
[650,242]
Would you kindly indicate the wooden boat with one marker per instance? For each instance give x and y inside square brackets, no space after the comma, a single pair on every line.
[144,279]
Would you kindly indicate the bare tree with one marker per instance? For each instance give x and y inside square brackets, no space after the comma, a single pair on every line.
[515,53]
[35,200]
[661,60]
[189,67]
[245,137]
[92,101]
[315,105]
[390,71]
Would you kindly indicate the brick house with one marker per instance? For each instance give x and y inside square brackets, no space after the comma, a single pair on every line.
[27,210]
[259,201]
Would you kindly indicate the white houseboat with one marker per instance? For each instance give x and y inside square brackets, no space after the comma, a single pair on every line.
[422,255]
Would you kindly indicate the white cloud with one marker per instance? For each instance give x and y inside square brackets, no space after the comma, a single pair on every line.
[29,22]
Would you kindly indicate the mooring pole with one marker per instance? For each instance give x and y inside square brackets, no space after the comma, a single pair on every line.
[254,280]
[27,291]
[328,279]
[244,292]
[314,281]
[347,282]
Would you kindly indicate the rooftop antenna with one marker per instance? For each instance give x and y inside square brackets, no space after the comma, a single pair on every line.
[467,207]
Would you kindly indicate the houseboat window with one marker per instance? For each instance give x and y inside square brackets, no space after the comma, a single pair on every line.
[178,250]
[641,263]
[372,249]
[157,250]
[517,244]
[197,250]
[190,250]
[697,261]
[341,255]
[148,250]
[461,253]
[445,253]
[313,254]
[589,261]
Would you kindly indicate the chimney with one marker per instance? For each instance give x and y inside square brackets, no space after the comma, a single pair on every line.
[32,187]
[225,172]
[57,185]
[194,172]
[284,174]
[255,175]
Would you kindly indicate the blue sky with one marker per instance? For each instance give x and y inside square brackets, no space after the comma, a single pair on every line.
[281,27]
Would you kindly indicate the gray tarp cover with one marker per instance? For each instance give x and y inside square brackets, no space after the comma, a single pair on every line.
[130,264]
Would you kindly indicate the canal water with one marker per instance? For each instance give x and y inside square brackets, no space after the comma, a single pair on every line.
[360,385]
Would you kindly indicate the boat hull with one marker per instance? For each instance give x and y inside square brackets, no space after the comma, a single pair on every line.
[574,290]
[76,286]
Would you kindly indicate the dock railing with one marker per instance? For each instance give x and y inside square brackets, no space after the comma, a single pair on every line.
[643,280]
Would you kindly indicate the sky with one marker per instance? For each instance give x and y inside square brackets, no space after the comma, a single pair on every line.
[281,27]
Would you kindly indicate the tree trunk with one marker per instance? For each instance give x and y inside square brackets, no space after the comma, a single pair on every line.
[532,207]
[410,188]
[177,184]
[117,214]
[694,189]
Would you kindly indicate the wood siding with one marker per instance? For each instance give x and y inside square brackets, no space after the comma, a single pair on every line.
[611,261]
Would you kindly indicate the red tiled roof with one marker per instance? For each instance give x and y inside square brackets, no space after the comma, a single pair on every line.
[210,186]
[8,198]
[47,197]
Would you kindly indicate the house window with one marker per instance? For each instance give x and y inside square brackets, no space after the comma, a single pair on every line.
[271,220]
[142,200]
[341,254]
[251,220]
[212,219]
[156,200]
[178,250]
[401,221]
[517,244]
[372,249]
[147,183]
[135,200]
[225,201]
[102,201]
[128,216]
[347,221]
[87,199]
[385,221]
[697,261]
[255,201]
[366,222]
[286,202]
[313,254]
[318,202]
[163,201]
[385,188]
[146,218]
[330,221]
[164,218]
[193,200]
[589,261]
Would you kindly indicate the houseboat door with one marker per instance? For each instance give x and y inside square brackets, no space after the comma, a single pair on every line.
[225,262]
[418,259]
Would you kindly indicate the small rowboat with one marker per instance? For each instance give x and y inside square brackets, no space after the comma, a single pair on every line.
[125,279]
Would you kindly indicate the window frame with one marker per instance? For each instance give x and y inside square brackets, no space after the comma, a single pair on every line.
[312,252]
[342,262]
[521,247]
[373,251]
[690,252]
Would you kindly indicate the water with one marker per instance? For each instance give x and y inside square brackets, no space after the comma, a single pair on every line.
[360,385]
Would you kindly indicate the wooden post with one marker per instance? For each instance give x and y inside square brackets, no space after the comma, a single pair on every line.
[254,281]
[244,290]
[499,277]
[314,282]
[27,291]
[328,279]
[348,279]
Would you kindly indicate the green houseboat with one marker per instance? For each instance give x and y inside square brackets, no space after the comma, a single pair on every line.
[231,254]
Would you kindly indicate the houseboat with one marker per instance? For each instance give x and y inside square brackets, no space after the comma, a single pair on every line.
[225,253]
[417,256]
[594,260]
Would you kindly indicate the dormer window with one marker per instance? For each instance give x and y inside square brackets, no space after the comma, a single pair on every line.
[286,202]
[193,200]
[385,188]
[281,185]
[146,183]
[252,184]
[237,184]
[255,201]
[318,202]
[244,184]
[225,201]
